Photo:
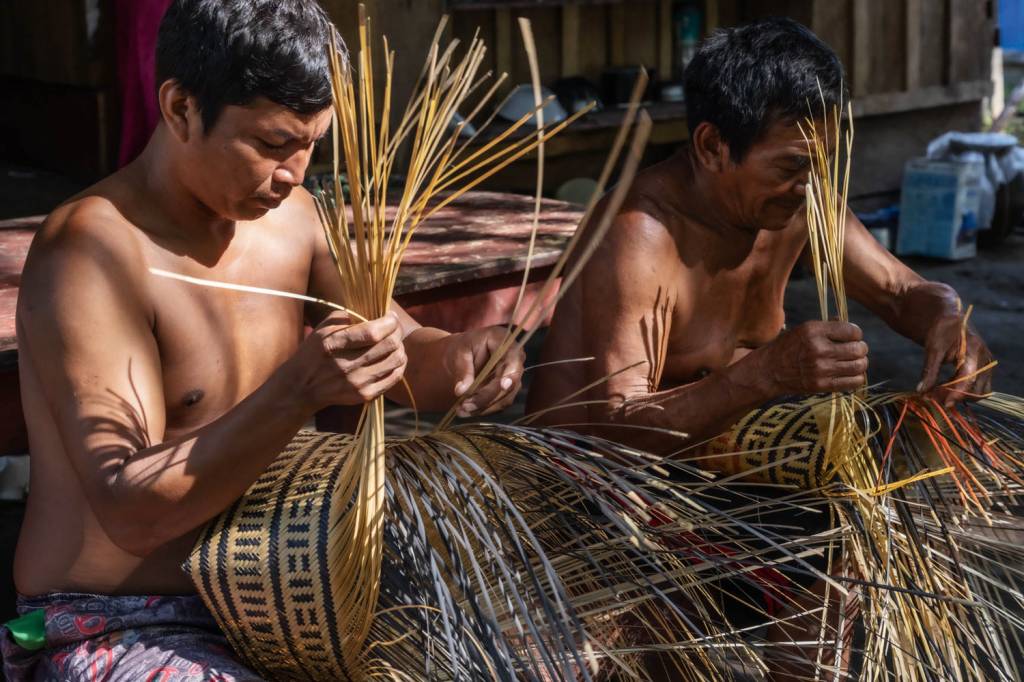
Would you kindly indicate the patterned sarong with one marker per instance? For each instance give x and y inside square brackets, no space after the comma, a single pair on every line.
[121,639]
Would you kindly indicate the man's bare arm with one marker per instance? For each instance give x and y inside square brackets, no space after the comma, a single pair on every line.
[926,312]
[86,319]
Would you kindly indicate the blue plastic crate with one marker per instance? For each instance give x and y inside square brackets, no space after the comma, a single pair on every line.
[939,209]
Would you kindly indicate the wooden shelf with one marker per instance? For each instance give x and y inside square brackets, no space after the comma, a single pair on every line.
[502,4]
[921,98]
[596,131]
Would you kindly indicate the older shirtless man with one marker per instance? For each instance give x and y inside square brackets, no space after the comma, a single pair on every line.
[681,305]
[152,404]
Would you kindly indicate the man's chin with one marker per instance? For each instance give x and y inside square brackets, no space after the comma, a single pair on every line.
[254,210]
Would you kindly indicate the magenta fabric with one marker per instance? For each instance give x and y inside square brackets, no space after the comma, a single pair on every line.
[136,24]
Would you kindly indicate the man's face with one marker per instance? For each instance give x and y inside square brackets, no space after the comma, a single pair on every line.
[766,189]
[253,156]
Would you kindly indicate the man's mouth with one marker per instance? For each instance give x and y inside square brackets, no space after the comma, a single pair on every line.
[791,208]
[270,202]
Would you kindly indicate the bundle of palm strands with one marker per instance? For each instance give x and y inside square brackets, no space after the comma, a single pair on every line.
[925,495]
[474,552]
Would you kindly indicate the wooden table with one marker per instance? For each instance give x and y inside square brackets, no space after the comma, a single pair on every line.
[462,270]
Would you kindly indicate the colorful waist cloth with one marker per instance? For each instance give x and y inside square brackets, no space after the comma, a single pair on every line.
[70,637]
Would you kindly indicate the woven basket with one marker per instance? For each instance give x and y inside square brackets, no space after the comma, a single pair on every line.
[261,567]
[782,441]
[492,535]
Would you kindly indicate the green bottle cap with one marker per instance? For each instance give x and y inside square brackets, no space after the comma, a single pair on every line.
[29,631]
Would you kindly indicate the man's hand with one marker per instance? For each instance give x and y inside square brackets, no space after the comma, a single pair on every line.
[349,364]
[948,342]
[815,357]
[466,355]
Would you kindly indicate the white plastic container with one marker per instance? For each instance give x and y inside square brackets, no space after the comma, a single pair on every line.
[939,207]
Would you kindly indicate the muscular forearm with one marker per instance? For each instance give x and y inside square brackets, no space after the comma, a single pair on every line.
[429,376]
[907,302]
[165,491]
[702,409]
[915,309]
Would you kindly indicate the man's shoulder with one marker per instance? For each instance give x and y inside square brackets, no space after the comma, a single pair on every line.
[89,229]
[641,226]
[93,216]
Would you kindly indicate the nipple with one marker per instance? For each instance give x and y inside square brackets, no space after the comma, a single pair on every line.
[193,397]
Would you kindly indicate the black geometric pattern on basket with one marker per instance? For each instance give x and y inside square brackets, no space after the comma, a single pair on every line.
[785,429]
[262,565]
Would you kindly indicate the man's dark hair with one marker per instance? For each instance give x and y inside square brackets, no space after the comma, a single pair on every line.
[746,78]
[233,51]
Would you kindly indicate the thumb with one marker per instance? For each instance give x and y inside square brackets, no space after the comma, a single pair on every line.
[930,374]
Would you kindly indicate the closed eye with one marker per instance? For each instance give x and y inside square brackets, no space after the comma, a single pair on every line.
[796,164]
[268,145]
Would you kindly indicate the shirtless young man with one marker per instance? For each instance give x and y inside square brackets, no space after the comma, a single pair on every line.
[681,305]
[152,404]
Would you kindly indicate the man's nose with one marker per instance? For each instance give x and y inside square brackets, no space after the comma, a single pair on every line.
[293,170]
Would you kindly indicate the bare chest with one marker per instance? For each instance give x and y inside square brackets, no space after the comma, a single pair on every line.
[217,346]
[722,319]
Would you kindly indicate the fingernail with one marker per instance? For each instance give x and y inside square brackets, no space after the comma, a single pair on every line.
[469,407]
[920,387]
[506,383]
[461,413]
[460,388]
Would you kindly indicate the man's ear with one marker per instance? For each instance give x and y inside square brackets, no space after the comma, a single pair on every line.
[711,150]
[178,110]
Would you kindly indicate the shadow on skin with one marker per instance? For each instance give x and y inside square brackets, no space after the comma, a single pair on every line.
[654,331]
[120,433]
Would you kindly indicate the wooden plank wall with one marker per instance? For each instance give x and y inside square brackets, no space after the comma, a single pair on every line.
[49,42]
[970,23]
[886,46]
[572,39]
[593,45]
[928,52]
[798,10]
[933,34]
[60,108]
[886,56]
[890,46]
